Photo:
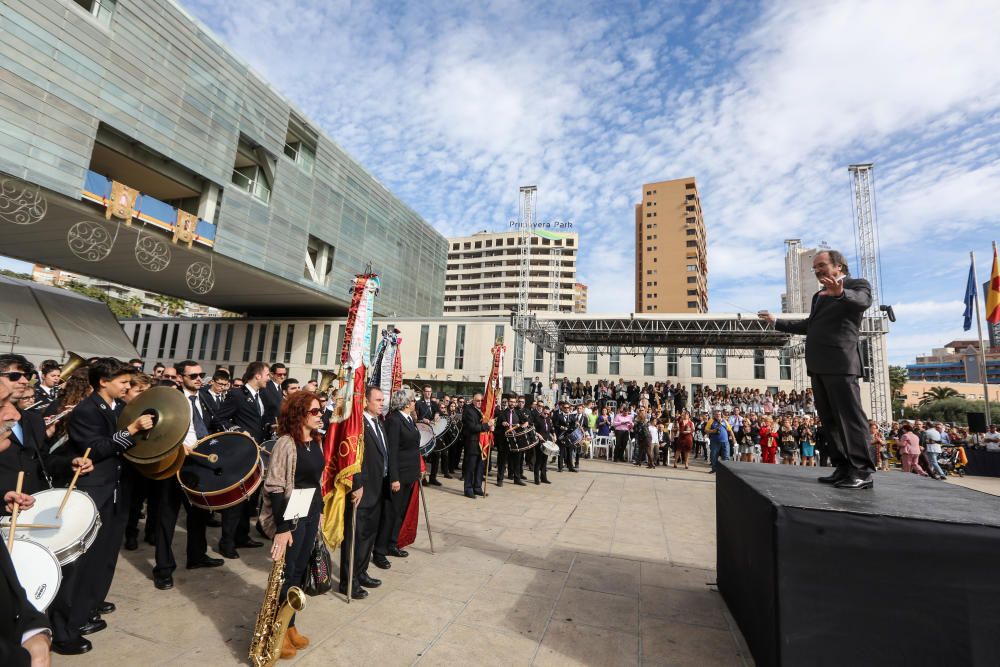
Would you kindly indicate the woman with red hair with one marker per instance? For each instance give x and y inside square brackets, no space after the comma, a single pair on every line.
[296,462]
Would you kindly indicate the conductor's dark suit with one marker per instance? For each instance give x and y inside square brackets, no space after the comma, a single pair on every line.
[245,412]
[403,440]
[373,478]
[833,361]
[472,426]
[25,456]
[17,615]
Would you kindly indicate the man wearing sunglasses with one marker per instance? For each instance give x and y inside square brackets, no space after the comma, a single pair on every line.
[28,435]
[170,377]
[168,494]
[472,426]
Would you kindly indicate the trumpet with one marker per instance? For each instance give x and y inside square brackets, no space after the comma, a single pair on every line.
[55,419]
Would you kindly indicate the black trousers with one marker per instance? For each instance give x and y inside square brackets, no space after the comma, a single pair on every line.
[394,506]
[848,439]
[454,456]
[138,497]
[508,462]
[169,498]
[434,458]
[566,452]
[236,522]
[540,464]
[368,522]
[621,442]
[297,555]
[472,468]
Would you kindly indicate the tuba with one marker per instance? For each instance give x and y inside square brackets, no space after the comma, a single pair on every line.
[75,361]
[326,379]
[272,620]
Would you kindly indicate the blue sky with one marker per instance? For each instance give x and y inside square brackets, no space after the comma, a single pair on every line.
[454,105]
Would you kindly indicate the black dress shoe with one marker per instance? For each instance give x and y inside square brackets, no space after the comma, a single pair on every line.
[424,482]
[537,482]
[131,544]
[479,492]
[93,626]
[369,582]
[76,646]
[381,562]
[398,553]
[499,482]
[227,553]
[249,543]
[447,475]
[164,583]
[545,481]
[434,482]
[470,494]
[518,482]
[204,561]
[357,593]
[835,477]
[105,607]
[855,483]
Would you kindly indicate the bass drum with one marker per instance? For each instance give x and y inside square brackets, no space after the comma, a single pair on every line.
[451,435]
[426,439]
[227,482]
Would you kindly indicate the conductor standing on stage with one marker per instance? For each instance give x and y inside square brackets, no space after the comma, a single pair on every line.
[833,361]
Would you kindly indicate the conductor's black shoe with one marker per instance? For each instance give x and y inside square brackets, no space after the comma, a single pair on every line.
[434,482]
[835,477]
[470,494]
[76,646]
[93,626]
[855,483]
[369,582]
[357,593]
[518,482]
[164,583]
[381,562]
[204,561]
[131,543]
[398,553]
[249,543]
[105,607]
[227,553]
[479,492]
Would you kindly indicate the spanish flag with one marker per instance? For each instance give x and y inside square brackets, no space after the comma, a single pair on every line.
[993,293]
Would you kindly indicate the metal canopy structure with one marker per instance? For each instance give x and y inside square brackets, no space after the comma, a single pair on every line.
[735,334]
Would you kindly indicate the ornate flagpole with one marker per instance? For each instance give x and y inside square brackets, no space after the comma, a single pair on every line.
[982,348]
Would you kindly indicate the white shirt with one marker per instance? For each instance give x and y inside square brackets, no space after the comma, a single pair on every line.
[191,436]
[253,396]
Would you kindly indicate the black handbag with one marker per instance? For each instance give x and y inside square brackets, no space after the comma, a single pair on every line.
[318,580]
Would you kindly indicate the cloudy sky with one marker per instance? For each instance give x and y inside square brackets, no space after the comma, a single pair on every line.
[454,105]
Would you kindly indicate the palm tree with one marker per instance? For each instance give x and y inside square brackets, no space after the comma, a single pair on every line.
[937,394]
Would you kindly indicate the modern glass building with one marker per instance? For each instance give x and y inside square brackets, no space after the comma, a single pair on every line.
[135,147]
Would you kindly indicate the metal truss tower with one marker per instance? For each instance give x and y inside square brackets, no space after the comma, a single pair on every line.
[526,219]
[875,324]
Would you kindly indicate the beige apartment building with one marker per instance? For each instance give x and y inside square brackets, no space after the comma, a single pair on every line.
[483,273]
[671,260]
[579,298]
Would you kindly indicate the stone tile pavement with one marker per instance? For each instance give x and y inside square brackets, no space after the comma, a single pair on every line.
[610,566]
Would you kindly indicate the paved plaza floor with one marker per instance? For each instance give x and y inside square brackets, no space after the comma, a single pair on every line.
[614,565]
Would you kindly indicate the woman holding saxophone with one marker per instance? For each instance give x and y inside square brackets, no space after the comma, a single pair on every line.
[295,465]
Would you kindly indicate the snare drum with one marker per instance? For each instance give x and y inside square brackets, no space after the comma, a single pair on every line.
[227,482]
[38,570]
[78,524]
[521,439]
[426,439]
[550,447]
[574,437]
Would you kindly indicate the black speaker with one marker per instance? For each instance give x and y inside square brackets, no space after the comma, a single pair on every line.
[977,422]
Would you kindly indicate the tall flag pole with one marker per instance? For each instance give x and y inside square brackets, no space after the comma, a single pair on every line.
[973,282]
[491,397]
[343,448]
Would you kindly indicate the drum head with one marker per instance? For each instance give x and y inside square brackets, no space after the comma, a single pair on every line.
[426,439]
[267,446]
[38,571]
[77,524]
[237,454]
[440,425]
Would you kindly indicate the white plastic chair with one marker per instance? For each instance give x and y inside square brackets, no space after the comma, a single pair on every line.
[605,443]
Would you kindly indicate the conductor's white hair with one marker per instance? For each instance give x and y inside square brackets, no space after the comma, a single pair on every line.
[401,398]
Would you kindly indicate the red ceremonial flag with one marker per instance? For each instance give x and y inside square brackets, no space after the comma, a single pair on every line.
[993,294]
[491,397]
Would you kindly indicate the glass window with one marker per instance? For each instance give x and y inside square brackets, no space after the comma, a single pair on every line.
[145,341]
[229,342]
[615,361]
[442,345]
[289,338]
[324,349]
[248,342]
[425,332]
[261,338]
[191,341]
[592,361]
[163,342]
[173,340]
[759,367]
[696,363]
[135,336]
[518,353]
[560,362]
[310,343]
[672,361]
[216,336]
[649,362]
[460,347]
[275,337]
[785,364]
[341,333]
[539,358]
[721,367]
[203,346]
[498,334]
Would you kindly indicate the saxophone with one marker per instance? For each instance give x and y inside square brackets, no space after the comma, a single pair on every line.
[272,620]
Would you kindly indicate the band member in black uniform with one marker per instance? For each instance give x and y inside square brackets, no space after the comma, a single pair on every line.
[47,388]
[94,425]
[244,410]
[536,387]
[565,423]
[472,426]
[213,394]
[271,394]
[427,410]
[507,460]
[368,488]
[27,439]
[403,440]
[544,429]
[169,497]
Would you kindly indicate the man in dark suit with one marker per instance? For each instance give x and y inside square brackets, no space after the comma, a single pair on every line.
[472,426]
[28,435]
[272,395]
[833,361]
[544,429]
[404,471]
[47,388]
[243,410]
[368,488]
[536,387]
[213,394]
[427,410]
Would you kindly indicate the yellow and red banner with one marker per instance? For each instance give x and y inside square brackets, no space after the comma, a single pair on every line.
[343,448]
[993,293]
[494,388]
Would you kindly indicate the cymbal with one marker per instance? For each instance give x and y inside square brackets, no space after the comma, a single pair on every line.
[172,416]
[163,468]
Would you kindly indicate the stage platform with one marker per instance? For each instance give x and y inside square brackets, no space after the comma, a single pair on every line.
[904,574]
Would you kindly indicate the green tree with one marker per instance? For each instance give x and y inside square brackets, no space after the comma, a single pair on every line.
[937,394]
[169,305]
[955,410]
[120,308]
[15,274]
[897,378]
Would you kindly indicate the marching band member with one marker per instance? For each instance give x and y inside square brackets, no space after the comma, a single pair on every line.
[507,460]
[47,388]
[544,429]
[427,408]
[28,435]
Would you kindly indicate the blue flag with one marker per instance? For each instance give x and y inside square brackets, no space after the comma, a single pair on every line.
[970,297]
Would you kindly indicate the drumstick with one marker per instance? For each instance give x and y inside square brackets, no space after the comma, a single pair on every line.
[33,525]
[213,458]
[13,515]
[72,484]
